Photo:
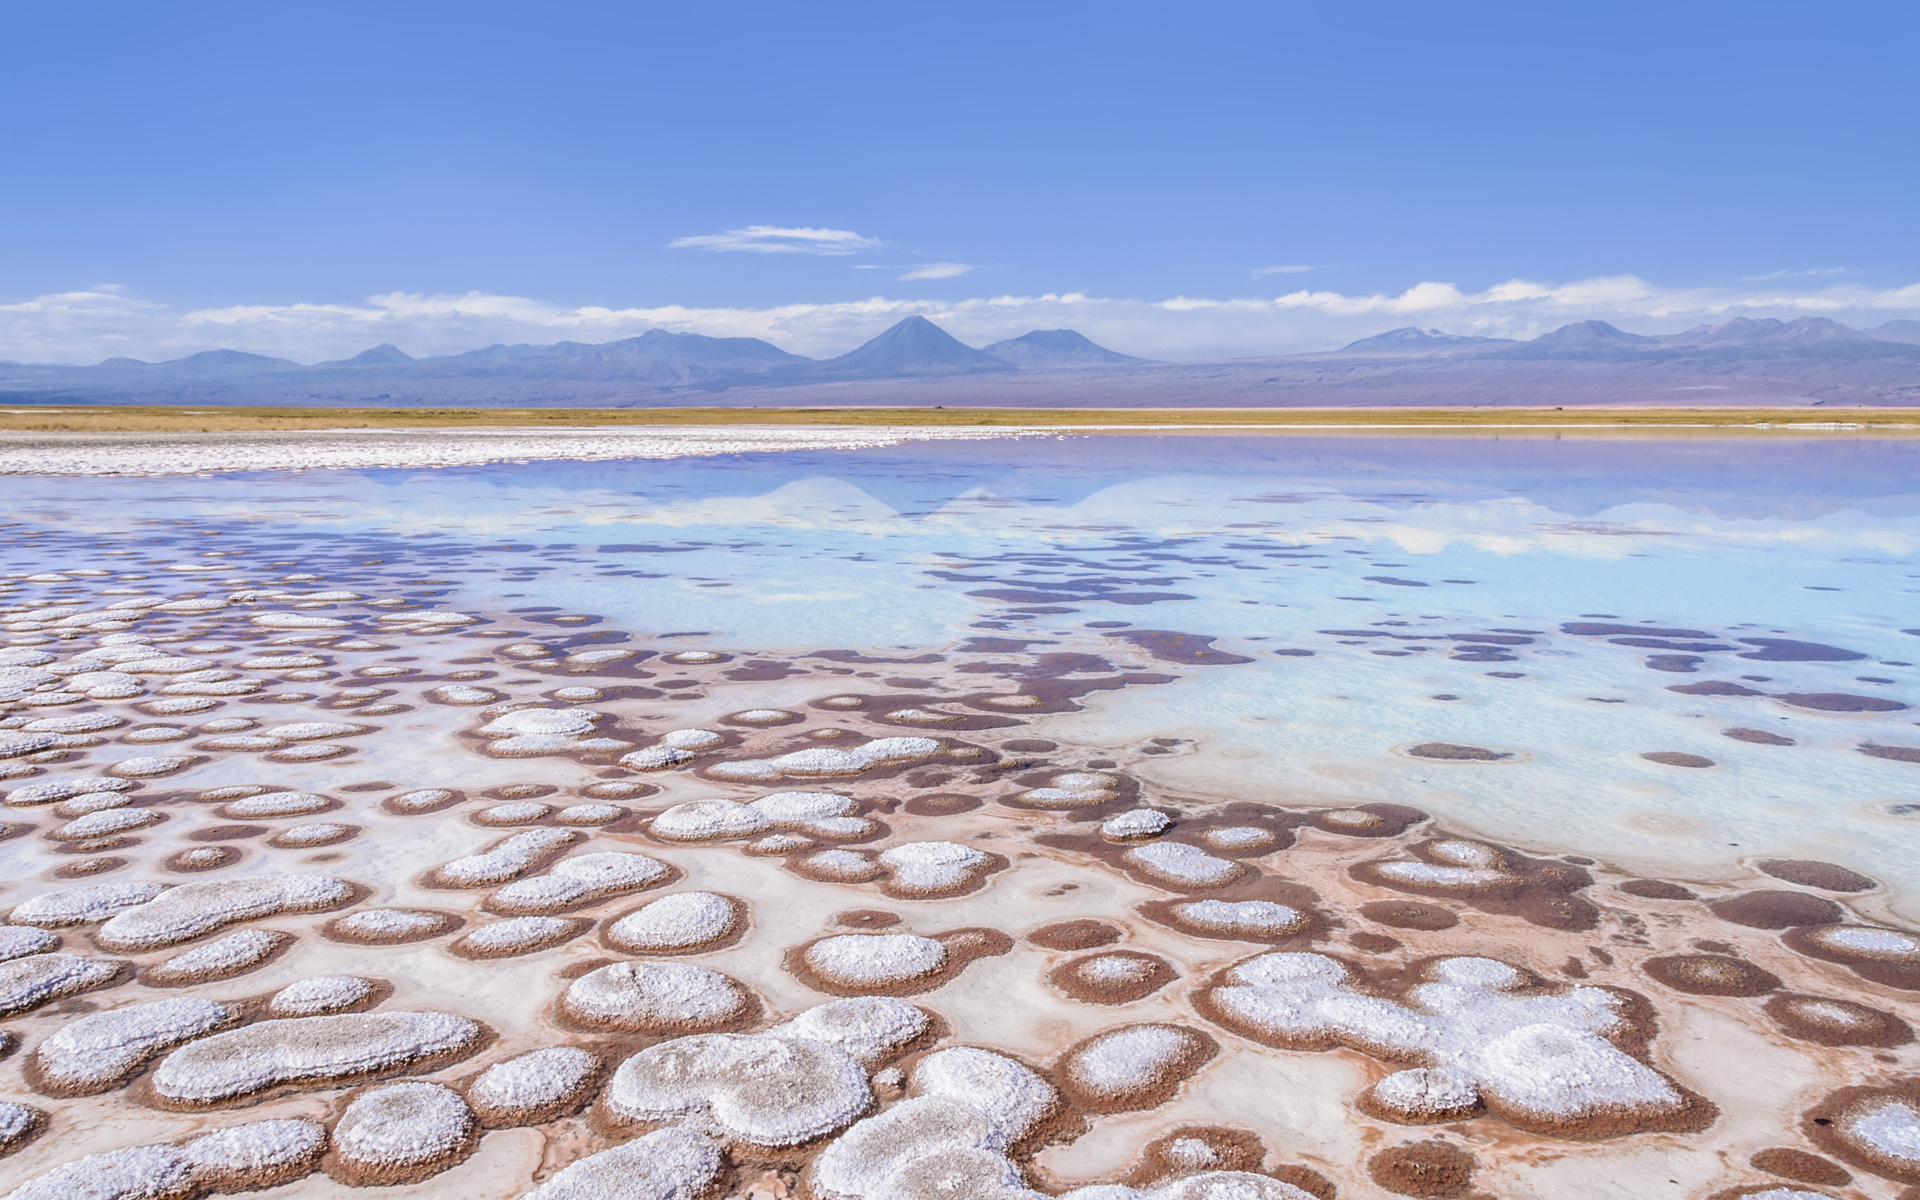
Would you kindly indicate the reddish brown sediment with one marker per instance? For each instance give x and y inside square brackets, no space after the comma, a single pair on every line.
[962,947]
[1839,702]
[1711,975]
[1757,737]
[1826,876]
[1454,752]
[1714,687]
[1190,649]
[1801,1167]
[1113,976]
[1777,910]
[1082,934]
[1656,889]
[1677,758]
[1830,1021]
[1491,878]
[1893,753]
[1093,1086]
[1432,1170]
[1895,966]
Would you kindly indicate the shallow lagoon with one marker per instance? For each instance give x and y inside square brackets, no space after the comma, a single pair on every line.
[1285,645]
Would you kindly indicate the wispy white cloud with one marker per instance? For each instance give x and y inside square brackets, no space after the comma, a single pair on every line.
[94,323]
[776,239]
[937,271]
[1296,269]
[1794,274]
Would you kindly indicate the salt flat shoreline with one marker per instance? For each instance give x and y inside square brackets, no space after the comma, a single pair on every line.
[150,452]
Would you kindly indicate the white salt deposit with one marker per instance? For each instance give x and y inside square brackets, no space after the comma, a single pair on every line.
[761,716]
[419,800]
[1073,789]
[677,922]
[667,1164]
[821,762]
[693,739]
[1187,866]
[589,814]
[194,909]
[241,1158]
[463,695]
[875,960]
[287,620]
[655,758]
[105,823]
[19,941]
[1136,824]
[150,766]
[516,935]
[514,856]
[403,1125]
[821,814]
[91,802]
[319,833]
[1011,1095]
[297,1050]
[532,1085]
[390,924]
[1534,1058]
[319,995]
[82,905]
[693,656]
[522,813]
[654,997]
[579,880]
[1261,917]
[923,716]
[97,1050]
[578,695]
[1865,941]
[930,868]
[48,793]
[75,723]
[594,658]
[1883,1129]
[17,1123]
[276,804]
[1239,837]
[220,958]
[1458,866]
[528,732]
[1129,1064]
[841,866]
[34,979]
[870,1028]
[761,1089]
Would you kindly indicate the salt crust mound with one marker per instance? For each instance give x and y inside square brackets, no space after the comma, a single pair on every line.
[319,833]
[823,762]
[1134,1066]
[1542,1062]
[875,960]
[1246,916]
[514,856]
[65,789]
[150,766]
[33,980]
[401,1132]
[218,959]
[194,909]
[589,814]
[318,1051]
[579,880]
[533,1087]
[247,1157]
[1876,1129]
[420,800]
[515,935]
[82,905]
[275,804]
[105,823]
[319,995]
[524,813]
[654,997]
[462,695]
[1073,789]
[528,732]
[1137,824]
[18,941]
[677,922]
[932,868]
[667,1164]
[836,866]
[1213,1185]
[99,1050]
[385,925]
[756,1088]
[1459,866]
[1183,865]
[819,814]
[870,1028]
[18,1122]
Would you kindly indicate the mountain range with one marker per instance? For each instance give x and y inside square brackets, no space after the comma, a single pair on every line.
[1743,361]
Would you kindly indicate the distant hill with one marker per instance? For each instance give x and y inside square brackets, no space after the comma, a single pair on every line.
[1741,361]
[1056,348]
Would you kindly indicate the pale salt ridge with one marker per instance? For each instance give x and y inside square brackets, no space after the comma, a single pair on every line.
[875,959]
[1138,823]
[870,1028]
[240,1158]
[275,804]
[767,1090]
[654,995]
[19,941]
[821,762]
[319,995]
[667,1164]
[512,857]
[1190,866]
[403,1125]
[516,935]
[578,880]
[532,1083]
[194,909]
[676,922]
[221,957]
[82,905]
[226,1066]
[930,867]
[1244,916]
[101,1048]
[35,979]
[821,814]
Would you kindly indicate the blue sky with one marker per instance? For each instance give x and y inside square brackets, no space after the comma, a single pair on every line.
[310,179]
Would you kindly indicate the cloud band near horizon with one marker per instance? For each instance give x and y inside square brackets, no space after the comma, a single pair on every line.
[88,325]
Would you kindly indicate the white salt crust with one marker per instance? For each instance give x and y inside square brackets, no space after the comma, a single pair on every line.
[391,924]
[533,1083]
[320,995]
[579,880]
[677,922]
[1533,1057]
[18,941]
[589,814]
[529,732]
[1245,916]
[419,800]
[1137,824]
[34,979]
[762,716]
[318,834]
[523,813]
[842,866]
[667,1164]
[515,935]
[1865,941]
[194,909]
[1460,866]
[1184,865]
[757,1088]
[83,904]
[99,1049]
[871,960]
[91,802]
[239,1158]
[655,758]
[931,868]
[512,857]
[871,1029]
[1239,837]
[823,762]
[654,996]
[1884,1130]
[104,823]
[1073,789]
[1128,1063]
[17,1122]
[403,1125]
[275,804]
[221,958]
[150,766]
[240,1062]
[462,695]
[693,739]
[65,789]
[819,814]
